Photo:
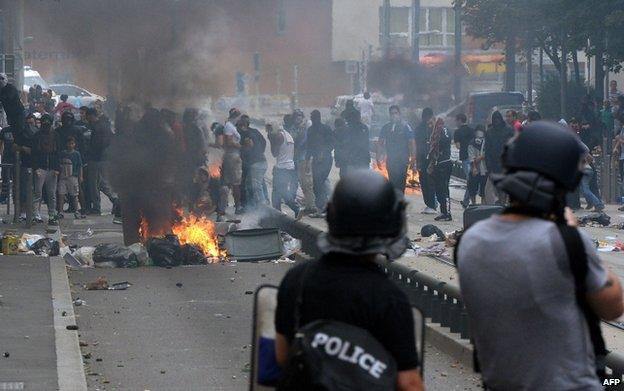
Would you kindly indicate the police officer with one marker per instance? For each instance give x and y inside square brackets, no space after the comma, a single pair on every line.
[532,309]
[366,218]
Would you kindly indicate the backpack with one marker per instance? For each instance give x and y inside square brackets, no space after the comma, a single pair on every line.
[332,355]
[577,256]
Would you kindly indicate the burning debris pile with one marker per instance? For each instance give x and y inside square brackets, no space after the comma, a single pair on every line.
[189,239]
[412,182]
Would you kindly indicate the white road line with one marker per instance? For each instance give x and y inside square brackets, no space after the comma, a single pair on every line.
[69,365]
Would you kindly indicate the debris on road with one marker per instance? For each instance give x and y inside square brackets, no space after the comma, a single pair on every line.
[100,284]
[78,302]
[429,230]
[114,255]
[81,235]
[5,354]
[85,255]
[599,219]
[179,285]
[72,327]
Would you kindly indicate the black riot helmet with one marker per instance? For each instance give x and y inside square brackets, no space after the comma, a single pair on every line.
[548,149]
[365,205]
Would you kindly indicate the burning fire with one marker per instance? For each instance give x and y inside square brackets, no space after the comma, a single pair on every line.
[198,231]
[412,183]
[190,229]
[214,170]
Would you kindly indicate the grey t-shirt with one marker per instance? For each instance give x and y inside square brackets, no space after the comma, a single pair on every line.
[519,292]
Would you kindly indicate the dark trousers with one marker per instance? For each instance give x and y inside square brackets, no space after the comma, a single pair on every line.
[573,199]
[441,179]
[7,176]
[320,172]
[476,185]
[397,174]
[427,186]
[285,183]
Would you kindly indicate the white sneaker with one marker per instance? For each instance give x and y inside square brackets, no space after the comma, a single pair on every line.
[429,211]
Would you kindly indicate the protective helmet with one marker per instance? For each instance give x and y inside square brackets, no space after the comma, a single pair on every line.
[548,149]
[365,204]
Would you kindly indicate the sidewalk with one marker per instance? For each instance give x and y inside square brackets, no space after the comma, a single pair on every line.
[27,325]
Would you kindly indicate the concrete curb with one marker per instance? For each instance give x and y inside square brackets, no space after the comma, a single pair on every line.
[69,365]
[449,343]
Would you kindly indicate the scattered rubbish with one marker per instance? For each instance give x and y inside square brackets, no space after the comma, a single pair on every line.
[72,261]
[189,254]
[249,292]
[5,354]
[10,244]
[83,343]
[81,235]
[599,219]
[115,254]
[87,356]
[232,279]
[140,251]
[179,285]
[163,372]
[27,240]
[452,237]
[64,313]
[437,249]
[290,245]
[429,230]
[46,246]
[98,359]
[79,302]
[100,284]
[72,327]
[85,255]
[162,251]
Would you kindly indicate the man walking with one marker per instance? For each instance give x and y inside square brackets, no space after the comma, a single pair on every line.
[299,132]
[253,146]
[495,139]
[100,140]
[397,147]
[46,165]
[423,136]
[319,157]
[463,136]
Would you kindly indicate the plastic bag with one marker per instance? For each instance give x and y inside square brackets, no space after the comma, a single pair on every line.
[46,246]
[141,253]
[85,255]
[162,251]
[190,255]
[119,255]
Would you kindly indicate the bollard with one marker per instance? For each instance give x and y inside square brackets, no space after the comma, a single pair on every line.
[445,311]
[435,307]
[29,197]
[17,208]
[455,317]
[464,328]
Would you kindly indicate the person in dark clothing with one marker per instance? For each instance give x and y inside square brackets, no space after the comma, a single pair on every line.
[101,135]
[69,129]
[46,165]
[440,167]
[342,143]
[591,131]
[397,147]
[357,152]
[423,136]
[366,219]
[23,144]
[7,139]
[497,135]
[319,155]
[82,120]
[463,136]
[349,109]
[253,146]
[11,102]
[194,139]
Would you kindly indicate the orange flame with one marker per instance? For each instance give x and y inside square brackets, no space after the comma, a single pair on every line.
[199,231]
[190,229]
[214,170]
[412,183]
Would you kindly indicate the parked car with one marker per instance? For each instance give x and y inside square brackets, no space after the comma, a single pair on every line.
[32,77]
[78,96]
[478,106]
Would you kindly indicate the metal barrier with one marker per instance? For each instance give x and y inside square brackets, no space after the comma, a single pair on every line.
[439,301]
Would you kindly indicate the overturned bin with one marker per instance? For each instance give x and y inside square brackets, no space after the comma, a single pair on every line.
[258,244]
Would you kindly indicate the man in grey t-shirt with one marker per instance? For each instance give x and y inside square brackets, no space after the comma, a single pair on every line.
[516,280]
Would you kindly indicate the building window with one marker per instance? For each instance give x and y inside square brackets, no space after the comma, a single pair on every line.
[437,27]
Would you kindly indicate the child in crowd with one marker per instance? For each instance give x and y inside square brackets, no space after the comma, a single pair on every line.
[478,172]
[70,177]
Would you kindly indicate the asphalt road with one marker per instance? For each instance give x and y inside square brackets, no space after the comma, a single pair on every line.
[160,336]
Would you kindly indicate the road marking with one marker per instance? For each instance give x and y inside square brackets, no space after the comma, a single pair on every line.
[69,365]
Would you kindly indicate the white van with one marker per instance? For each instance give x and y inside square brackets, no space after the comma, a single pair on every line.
[32,77]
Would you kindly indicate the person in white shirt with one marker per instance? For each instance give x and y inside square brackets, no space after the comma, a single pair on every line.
[367,108]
